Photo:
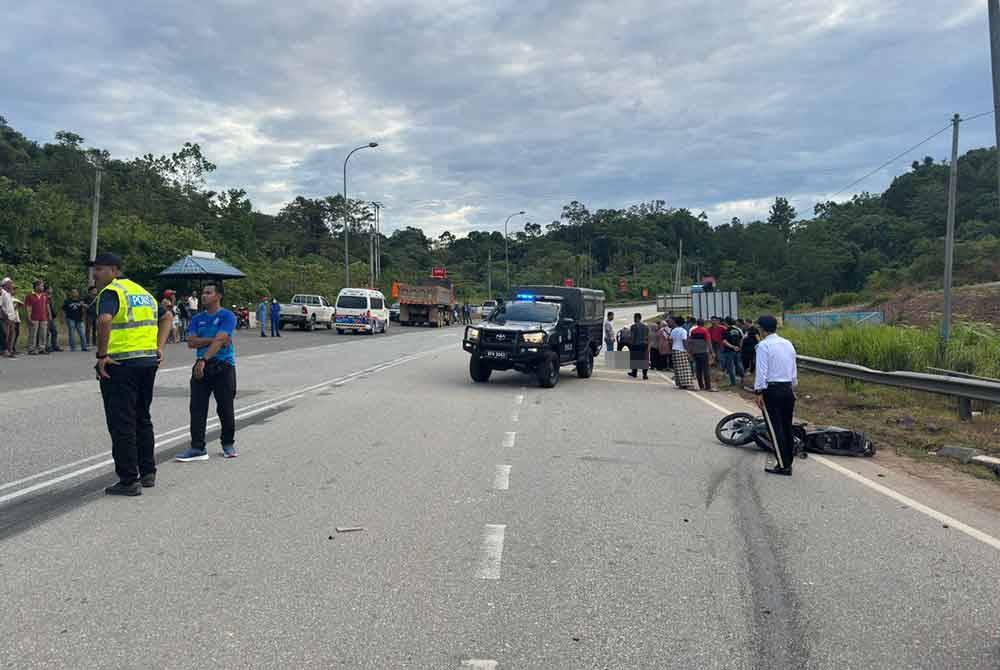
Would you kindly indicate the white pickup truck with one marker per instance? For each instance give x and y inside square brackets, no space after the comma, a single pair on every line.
[307,312]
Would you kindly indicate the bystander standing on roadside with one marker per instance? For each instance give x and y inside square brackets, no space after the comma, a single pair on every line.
[53,338]
[214,374]
[185,315]
[688,324]
[609,332]
[748,353]
[8,316]
[131,335]
[37,305]
[91,316]
[699,343]
[732,339]
[263,314]
[715,330]
[74,311]
[682,363]
[638,350]
[275,317]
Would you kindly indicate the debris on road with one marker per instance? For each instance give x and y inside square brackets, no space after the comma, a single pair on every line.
[350,529]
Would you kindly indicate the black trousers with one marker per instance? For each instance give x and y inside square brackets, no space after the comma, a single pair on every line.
[127,396]
[702,371]
[223,386]
[780,404]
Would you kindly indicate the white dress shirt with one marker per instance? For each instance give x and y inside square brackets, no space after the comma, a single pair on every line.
[677,337]
[775,362]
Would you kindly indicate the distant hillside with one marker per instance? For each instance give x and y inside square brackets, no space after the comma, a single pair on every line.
[154,209]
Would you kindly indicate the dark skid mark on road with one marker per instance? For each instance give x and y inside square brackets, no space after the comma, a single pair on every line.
[29,512]
[774,617]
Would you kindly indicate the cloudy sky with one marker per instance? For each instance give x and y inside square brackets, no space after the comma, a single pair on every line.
[485,108]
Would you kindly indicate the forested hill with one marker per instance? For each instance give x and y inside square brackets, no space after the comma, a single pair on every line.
[155,209]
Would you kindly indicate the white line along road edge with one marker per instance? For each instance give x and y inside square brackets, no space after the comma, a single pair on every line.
[491,552]
[974,533]
[241,413]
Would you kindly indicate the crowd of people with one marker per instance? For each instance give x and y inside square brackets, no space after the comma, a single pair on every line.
[39,317]
[690,347]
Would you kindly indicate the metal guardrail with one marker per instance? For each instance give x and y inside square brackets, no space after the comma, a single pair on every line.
[977,388]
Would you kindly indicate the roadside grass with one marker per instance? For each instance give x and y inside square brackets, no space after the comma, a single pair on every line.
[972,349]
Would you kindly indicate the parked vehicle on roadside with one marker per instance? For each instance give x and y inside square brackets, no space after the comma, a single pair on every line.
[307,311]
[394,311]
[429,303]
[538,331]
[362,310]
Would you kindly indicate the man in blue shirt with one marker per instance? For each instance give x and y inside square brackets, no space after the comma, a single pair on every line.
[275,318]
[263,312]
[211,333]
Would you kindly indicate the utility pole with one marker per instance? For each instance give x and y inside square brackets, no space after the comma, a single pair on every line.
[371,253]
[994,6]
[489,274]
[95,217]
[949,239]
[378,243]
[677,269]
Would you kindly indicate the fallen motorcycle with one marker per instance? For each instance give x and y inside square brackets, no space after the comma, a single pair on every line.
[740,429]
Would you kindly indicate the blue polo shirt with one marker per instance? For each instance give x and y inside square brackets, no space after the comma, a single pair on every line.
[208,325]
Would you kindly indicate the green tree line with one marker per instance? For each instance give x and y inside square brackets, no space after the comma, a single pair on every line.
[155,209]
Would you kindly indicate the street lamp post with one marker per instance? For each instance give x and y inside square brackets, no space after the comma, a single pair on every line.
[506,246]
[347,248]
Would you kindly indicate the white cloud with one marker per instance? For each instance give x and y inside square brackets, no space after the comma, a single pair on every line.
[482,109]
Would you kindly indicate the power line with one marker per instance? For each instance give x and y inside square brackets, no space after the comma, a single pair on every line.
[913,148]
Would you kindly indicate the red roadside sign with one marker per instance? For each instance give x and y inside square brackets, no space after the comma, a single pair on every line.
[568,282]
[439,273]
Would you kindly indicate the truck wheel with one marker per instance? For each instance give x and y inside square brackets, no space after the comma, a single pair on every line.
[311,324]
[548,373]
[329,324]
[479,371]
[340,331]
[585,368]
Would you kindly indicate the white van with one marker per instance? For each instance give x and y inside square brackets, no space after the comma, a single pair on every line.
[361,310]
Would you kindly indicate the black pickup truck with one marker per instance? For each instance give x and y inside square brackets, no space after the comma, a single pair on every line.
[537,330]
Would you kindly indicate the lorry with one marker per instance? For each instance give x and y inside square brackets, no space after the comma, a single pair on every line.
[538,330]
[431,302]
[307,311]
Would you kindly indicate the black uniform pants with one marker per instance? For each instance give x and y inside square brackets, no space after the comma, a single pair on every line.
[221,384]
[779,401]
[702,372]
[127,396]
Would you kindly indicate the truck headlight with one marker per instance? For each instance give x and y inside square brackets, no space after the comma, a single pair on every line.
[472,334]
[533,338]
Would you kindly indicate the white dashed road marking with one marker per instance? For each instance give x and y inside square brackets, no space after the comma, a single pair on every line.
[479,664]
[508,439]
[501,479]
[491,551]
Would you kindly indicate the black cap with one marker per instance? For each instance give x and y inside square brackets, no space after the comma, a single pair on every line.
[768,323]
[109,259]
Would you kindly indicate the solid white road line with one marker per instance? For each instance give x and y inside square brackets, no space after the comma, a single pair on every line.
[479,664]
[501,478]
[509,438]
[952,522]
[491,552]
[243,412]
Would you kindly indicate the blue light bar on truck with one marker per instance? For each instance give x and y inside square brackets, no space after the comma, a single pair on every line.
[527,296]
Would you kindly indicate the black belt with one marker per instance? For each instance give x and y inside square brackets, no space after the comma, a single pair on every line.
[779,385]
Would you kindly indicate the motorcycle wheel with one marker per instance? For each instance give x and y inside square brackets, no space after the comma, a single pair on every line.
[735,430]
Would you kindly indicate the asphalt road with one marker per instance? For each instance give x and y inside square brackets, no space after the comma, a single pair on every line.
[594,525]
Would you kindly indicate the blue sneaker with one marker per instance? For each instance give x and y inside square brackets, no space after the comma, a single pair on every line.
[193,455]
[229,451]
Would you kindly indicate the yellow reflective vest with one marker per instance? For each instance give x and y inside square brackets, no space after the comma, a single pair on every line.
[134,326]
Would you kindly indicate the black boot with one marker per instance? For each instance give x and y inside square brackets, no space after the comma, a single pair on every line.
[121,489]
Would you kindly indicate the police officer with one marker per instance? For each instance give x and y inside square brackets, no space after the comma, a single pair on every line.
[777,375]
[131,333]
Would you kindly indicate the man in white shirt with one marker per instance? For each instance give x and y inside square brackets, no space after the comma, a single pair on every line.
[609,332]
[777,375]
[8,316]
[683,376]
